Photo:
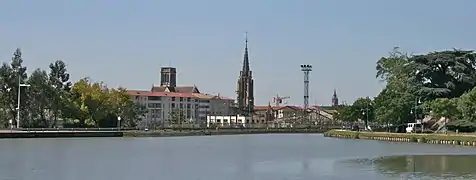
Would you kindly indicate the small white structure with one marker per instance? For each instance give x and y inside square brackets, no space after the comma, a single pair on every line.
[228,120]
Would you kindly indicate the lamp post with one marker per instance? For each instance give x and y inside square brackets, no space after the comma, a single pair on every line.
[10,121]
[365,112]
[19,96]
[414,111]
[118,123]
[250,112]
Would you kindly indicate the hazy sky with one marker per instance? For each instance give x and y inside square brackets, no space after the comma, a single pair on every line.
[125,42]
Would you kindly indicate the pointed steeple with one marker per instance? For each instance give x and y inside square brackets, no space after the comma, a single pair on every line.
[335,99]
[246,61]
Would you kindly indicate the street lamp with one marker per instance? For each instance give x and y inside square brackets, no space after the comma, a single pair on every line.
[10,121]
[19,96]
[366,113]
[118,123]
[250,112]
[414,111]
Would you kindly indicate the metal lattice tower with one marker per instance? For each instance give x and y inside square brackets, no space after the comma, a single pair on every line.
[306,68]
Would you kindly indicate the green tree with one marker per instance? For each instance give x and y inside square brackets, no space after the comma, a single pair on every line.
[39,100]
[444,74]
[363,108]
[345,114]
[59,81]
[467,106]
[176,116]
[391,67]
[11,76]
[444,107]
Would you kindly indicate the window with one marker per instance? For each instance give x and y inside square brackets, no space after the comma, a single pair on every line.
[188,106]
[189,114]
[173,105]
[181,99]
[173,98]
[181,105]
[188,99]
[154,98]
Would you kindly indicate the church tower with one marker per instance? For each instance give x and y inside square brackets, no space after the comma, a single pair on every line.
[245,96]
[335,100]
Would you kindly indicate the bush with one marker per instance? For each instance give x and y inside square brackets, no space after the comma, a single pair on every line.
[413,137]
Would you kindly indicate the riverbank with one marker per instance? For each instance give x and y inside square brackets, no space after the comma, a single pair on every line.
[159,133]
[448,139]
[213,132]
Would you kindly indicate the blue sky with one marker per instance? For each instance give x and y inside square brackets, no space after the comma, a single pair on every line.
[125,42]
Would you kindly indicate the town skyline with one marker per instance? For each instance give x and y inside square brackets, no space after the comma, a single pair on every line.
[126,44]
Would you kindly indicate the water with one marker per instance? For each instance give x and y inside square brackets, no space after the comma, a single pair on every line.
[240,157]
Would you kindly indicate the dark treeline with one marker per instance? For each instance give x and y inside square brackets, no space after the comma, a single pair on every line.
[440,84]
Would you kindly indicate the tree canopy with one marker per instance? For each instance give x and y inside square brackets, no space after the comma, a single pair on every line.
[440,84]
[51,99]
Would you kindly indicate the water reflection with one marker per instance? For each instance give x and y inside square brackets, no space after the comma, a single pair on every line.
[424,166]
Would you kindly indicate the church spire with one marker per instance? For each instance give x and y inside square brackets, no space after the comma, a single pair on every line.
[335,100]
[246,61]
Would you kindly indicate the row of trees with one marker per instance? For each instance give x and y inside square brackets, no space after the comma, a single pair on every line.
[50,99]
[440,84]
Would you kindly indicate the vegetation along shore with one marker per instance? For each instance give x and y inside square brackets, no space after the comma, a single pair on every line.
[449,139]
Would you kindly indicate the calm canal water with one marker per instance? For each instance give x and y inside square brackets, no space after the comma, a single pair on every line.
[240,157]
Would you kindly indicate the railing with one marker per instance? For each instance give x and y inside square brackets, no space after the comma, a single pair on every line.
[179,127]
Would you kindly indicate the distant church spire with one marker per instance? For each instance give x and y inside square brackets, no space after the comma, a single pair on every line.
[335,99]
[245,94]
[246,61]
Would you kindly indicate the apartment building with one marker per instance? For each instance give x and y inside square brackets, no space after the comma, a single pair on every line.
[194,106]
[167,98]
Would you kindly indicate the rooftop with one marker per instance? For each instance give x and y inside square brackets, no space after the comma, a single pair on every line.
[295,108]
[175,94]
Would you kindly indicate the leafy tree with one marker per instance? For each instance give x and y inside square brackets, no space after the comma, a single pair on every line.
[11,76]
[467,106]
[177,116]
[444,107]
[52,97]
[436,77]
[363,109]
[445,74]
[39,100]
[345,114]
[393,66]
[59,81]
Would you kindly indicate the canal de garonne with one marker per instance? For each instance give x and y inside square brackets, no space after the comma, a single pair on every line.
[234,157]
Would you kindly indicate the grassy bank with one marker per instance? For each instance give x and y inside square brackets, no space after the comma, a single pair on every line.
[208,132]
[451,139]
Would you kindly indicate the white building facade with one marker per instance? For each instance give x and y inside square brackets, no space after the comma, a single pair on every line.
[227,120]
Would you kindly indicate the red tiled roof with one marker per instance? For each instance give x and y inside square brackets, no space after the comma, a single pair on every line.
[174,94]
[162,94]
[275,108]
